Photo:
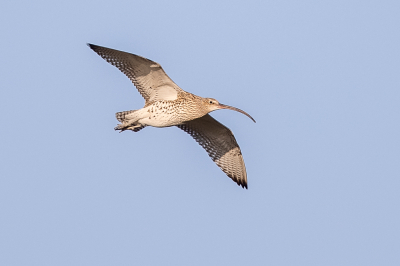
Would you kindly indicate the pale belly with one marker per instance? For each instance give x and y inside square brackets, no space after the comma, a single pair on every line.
[157,116]
[160,120]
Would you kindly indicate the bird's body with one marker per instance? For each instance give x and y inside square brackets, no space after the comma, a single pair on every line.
[168,105]
[165,113]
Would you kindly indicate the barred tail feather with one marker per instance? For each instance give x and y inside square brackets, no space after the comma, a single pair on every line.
[121,115]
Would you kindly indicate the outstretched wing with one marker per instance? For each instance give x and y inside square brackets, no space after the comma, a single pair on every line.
[148,76]
[220,145]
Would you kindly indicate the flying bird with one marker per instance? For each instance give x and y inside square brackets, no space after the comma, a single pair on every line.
[166,104]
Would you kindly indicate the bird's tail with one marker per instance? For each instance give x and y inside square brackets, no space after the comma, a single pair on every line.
[121,115]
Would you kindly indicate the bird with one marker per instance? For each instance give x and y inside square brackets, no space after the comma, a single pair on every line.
[166,105]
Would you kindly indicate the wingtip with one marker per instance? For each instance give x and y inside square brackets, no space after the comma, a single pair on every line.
[242,184]
[91,46]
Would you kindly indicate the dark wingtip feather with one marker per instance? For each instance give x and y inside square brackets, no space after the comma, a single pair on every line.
[91,46]
[241,183]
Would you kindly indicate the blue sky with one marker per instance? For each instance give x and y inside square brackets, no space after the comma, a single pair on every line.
[321,78]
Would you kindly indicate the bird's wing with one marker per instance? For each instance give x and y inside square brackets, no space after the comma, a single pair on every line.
[220,145]
[148,76]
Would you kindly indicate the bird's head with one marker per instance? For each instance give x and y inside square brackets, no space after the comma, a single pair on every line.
[212,105]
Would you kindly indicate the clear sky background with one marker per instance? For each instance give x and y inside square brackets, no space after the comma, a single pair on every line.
[321,78]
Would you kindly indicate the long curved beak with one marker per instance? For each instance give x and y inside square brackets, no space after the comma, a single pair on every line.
[223,106]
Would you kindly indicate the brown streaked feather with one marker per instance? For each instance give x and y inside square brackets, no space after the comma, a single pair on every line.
[220,145]
[148,76]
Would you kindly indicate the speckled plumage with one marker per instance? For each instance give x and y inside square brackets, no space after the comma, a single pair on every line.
[166,104]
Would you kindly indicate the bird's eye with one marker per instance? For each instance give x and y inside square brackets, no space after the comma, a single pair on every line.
[211,101]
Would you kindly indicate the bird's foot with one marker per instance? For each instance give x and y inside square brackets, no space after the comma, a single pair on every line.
[133,127]
[121,127]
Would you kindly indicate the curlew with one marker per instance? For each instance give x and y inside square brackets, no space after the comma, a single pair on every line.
[166,104]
